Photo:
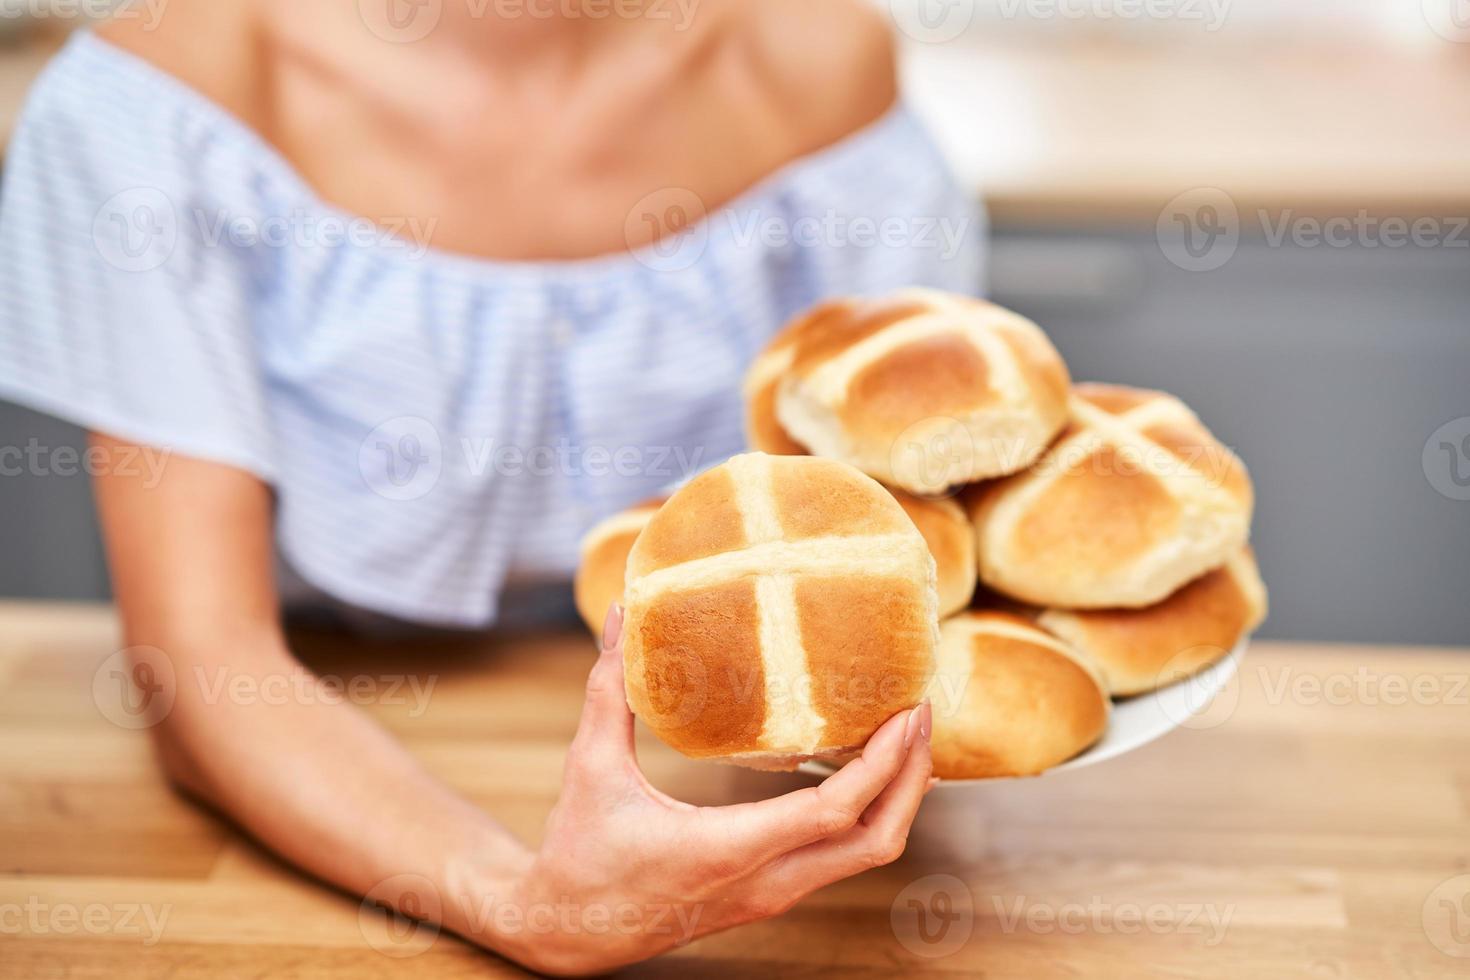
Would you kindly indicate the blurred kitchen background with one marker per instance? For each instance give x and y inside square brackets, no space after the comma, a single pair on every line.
[1260,205]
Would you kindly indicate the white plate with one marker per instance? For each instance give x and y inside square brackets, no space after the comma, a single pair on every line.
[1138,720]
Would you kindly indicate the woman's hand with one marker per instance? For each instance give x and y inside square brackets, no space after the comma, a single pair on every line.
[626,872]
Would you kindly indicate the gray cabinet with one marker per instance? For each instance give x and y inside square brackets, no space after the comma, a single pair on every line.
[1327,369]
[49,546]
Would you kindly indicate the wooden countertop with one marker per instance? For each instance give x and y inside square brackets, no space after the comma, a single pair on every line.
[1314,826]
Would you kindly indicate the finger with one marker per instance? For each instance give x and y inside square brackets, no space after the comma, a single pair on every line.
[878,838]
[605,732]
[602,755]
[612,628]
[885,824]
[763,831]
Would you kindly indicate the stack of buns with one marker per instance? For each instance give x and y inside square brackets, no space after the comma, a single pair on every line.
[1108,527]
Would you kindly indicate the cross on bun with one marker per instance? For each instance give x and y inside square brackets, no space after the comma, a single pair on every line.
[779,609]
[1138,650]
[921,389]
[1009,699]
[942,522]
[599,580]
[1135,499]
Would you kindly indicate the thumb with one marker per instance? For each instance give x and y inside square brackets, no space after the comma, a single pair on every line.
[606,729]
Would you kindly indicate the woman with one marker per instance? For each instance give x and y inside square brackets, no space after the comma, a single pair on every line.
[385,281]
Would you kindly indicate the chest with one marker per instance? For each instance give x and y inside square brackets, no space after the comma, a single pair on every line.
[509,179]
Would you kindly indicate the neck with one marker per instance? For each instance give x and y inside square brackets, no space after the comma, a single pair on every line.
[401,49]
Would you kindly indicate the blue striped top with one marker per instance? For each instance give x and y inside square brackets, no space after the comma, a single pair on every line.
[436,427]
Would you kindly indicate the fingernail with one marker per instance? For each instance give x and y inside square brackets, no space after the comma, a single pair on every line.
[612,627]
[926,719]
[911,727]
[933,782]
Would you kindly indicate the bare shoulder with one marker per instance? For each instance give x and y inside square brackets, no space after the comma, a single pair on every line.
[829,64]
[213,47]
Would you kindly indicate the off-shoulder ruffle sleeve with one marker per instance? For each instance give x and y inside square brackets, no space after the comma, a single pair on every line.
[124,306]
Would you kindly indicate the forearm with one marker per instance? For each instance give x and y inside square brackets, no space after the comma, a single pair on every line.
[323,785]
[313,778]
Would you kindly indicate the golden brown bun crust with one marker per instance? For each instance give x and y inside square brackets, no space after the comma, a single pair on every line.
[1138,650]
[1009,699]
[822,331]
[1135,499]
[819,498]
[869,643]
[762,430]
[702,686]
[703,524]
[940,375]
[599,579]
[778,609]
[886,384]
[951,540]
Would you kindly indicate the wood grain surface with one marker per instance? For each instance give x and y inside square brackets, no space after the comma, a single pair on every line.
[1314,822]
